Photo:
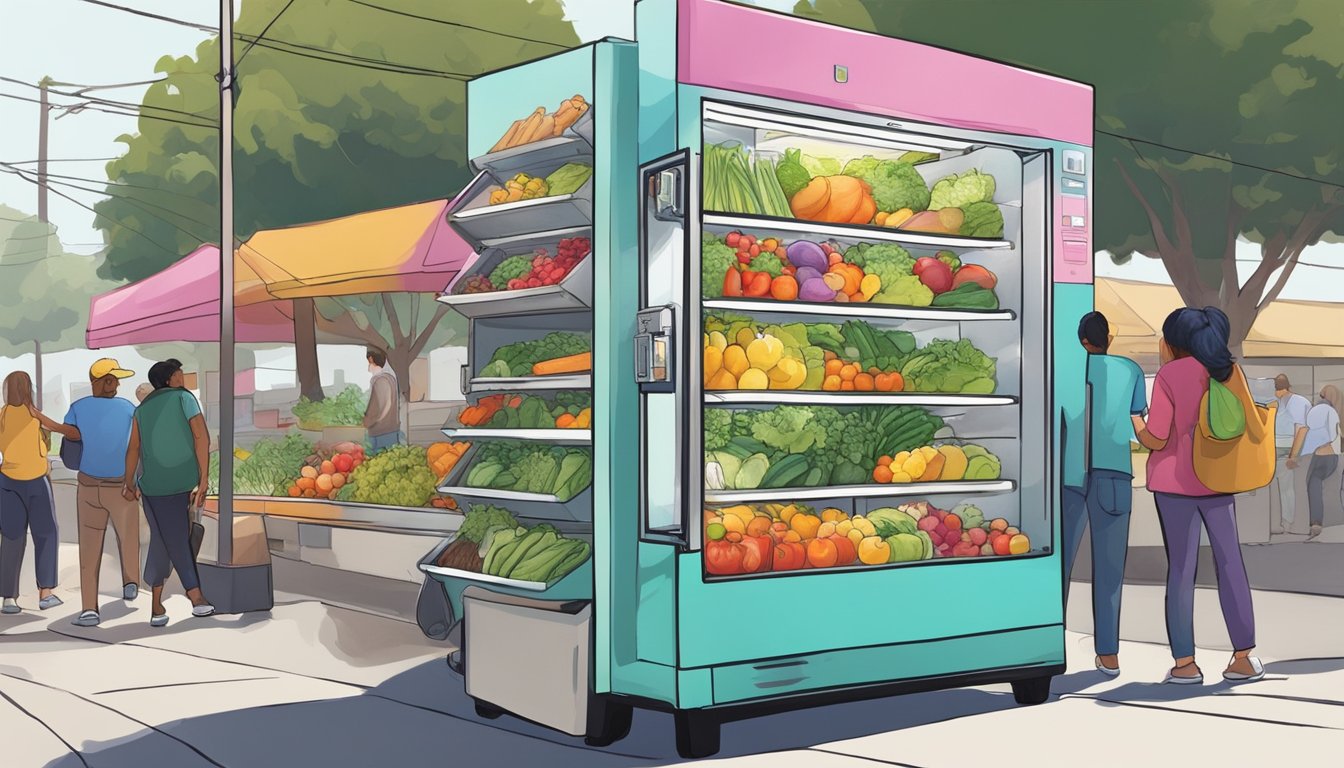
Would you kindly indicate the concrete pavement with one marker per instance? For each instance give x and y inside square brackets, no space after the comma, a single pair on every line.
[316,684]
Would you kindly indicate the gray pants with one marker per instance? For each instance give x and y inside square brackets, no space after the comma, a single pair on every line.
[1320,470]
[170,540]
[1284,478]
[26,505]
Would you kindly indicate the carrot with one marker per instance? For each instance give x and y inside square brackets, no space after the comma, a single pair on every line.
[570,364]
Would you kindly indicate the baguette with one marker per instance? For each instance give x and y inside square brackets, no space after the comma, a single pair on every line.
[509,136]
[528,132]
[567,115]
[547,128]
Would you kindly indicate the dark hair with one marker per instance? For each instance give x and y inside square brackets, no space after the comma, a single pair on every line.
[160,373]
[1281,382]
[18,389]
[378,356]
[1203,333]
[1095,329]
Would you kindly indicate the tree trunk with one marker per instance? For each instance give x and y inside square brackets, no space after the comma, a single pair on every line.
[305,350]
[37,374]
[400,359]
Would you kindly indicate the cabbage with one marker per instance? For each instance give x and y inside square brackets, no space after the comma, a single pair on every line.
[894,185]
[960,191]
[982,220]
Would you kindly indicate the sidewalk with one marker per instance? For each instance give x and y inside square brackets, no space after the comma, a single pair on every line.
[316,684]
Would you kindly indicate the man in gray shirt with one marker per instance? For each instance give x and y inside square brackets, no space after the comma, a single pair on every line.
[382,418]
[1288,421]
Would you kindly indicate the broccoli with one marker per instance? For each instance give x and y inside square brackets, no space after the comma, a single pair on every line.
[895,185]
[716,258]
[907,291]
[512,268]
[788,428]
[960,191]
[718,428]
[768,263]
[886,260]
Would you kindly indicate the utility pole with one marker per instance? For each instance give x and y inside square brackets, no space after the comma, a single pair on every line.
[44,112]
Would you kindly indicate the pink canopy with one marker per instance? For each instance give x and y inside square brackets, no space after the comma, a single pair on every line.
[182,303]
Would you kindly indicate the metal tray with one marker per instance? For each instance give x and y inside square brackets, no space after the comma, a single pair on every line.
[575,291]
[483,225]
[582,575]
[538,506]
[557,383]
[576,141]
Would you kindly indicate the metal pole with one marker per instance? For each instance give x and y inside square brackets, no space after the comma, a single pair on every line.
[226,255]
[44,113]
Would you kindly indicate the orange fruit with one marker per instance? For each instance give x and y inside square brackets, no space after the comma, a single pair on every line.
[833,366]
[306,483]
[831,383]
[864,382]
[821,553]
[324,484]
[295,491]
[846,386]
[327,467]
[884,461]
[882,474]
[848,372]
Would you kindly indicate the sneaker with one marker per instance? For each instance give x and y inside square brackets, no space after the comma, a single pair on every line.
[87,619]
[1257,672]
[130,591]
[1315,531]
[1105,670]
[11,606]
[50,601]
[159,620]
[202,610]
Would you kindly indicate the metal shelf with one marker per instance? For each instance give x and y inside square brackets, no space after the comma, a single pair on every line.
[867,310]
[848,232]
[531,383]
[860,491]
[774,397]
[549,436]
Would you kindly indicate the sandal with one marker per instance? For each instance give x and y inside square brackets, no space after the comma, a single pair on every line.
[1258,671]
[1175,679]
[1105,670]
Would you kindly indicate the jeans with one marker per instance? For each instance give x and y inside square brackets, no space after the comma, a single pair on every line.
[26,505]
[379,443]
[1106,507]
[1285,480]
[1320,469]
[1180,518]
[170,540]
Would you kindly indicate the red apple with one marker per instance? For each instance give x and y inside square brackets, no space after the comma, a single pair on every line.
[934,274]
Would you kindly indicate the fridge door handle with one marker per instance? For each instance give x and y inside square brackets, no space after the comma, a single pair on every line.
[655,362]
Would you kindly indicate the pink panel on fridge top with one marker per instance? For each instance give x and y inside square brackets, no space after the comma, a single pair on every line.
[883,75]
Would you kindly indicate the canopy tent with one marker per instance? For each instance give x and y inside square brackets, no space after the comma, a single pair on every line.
[1285,329]
[410,248]
[181,303]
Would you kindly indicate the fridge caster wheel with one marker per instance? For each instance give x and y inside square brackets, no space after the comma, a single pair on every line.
[487,711]
[608,722]
[1032,691]
[455,661]
[697,733]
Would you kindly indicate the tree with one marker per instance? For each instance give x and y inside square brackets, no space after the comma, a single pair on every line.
[342,107]
[44,291]
[846,13]
[402,324]
[1259,84]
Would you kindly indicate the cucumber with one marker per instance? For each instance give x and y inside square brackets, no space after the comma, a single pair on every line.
[750,445]
[813,478]
[788,471]
[531,541]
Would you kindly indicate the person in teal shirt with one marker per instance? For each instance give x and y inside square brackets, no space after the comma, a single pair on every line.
[1116,394]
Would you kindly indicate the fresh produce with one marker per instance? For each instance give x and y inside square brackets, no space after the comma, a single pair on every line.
[737,183]
[481,518]
[518,359]
[960,191]
[325,473]
[540,125]
[510,465]
[567,179]
[536,554]
[950,366]
[442,457]
[944,221]
[934,274]
[267,469]
[838,199]
[511,269]
[583,361]
[976,275]
[895,185]
[810,446]
[968,295]
[945,463]
[791,174]
[520,187]
[346,409]
[915,158]
[981,220]
[398,476]
[534,271]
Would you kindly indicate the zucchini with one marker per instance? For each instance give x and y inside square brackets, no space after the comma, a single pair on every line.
[786,472]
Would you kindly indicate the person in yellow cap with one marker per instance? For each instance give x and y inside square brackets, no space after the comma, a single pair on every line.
[103,425]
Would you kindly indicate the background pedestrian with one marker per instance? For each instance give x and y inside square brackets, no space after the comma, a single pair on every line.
[1288,420]
[26,502]
[1318,441]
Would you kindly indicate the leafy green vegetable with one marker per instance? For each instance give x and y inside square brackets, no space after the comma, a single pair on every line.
[950,366]
[768,263]
[895,185]
[915,158]
[752,472]
[511,268]
[821,166]
[716,258]
[960,191]
[907,291]
[568,179]
[481,518]
[273,465]
[950,259]
[982,220]
[788,428]
[718,428]
[518,359]
[346,409]
[399,476]
[827,336]
[510,465]
[791,173]
[894,267]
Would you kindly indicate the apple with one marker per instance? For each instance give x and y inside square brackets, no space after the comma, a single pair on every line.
[977,536]
[928,523]
[934,274]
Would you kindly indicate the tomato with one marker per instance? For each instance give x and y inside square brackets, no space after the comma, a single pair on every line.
[789,556]
[724,557]
[759,555]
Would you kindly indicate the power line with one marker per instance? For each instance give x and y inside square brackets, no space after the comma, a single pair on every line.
[100,181]
[74,108]
[456,24]
[66,160]
[140,205]
[1229,161]
[264,30]
[348,59]
[148,15]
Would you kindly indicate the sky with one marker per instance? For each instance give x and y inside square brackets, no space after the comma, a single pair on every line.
[68,40]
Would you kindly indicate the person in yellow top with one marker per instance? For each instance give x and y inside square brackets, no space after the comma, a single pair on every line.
[26,503]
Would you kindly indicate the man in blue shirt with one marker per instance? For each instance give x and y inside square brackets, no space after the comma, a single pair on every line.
[103,421]
[1116,394]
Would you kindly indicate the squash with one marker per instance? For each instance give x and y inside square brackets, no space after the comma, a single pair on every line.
[846,198]
[811,200]
[867,210]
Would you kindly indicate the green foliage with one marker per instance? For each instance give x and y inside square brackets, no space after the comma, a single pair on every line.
[399,476]
[481,518]
[716,258]
[344,410]
[315,140]
[895,185]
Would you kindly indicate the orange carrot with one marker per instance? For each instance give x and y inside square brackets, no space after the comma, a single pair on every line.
[570,364]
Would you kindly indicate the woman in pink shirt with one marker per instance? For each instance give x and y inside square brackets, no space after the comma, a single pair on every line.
[1193,349]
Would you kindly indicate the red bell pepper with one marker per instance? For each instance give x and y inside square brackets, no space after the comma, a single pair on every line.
[789,556]
[724,557]
[759,555]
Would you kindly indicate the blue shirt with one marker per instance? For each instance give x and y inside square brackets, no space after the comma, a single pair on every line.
[1117,393]
[105,430]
